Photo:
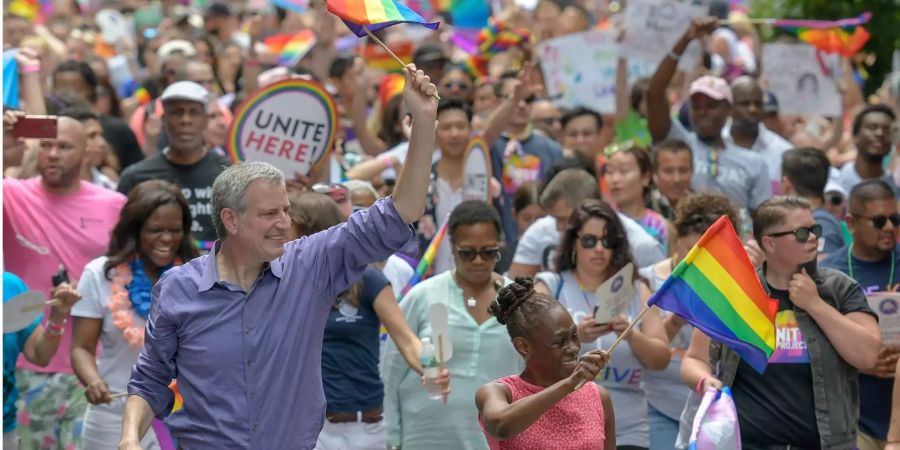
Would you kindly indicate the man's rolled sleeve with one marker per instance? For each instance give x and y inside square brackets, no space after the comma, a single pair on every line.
[155,368]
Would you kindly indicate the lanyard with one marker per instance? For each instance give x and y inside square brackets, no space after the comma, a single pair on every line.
[850,266]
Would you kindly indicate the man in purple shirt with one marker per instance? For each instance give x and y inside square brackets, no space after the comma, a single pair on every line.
[241,328]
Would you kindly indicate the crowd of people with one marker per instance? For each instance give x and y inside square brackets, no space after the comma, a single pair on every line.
[209,303]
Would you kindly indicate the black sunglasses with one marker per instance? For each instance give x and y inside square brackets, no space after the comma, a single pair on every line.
[487,254]
[801,234]
[880,221]
[835,199]
[589,241]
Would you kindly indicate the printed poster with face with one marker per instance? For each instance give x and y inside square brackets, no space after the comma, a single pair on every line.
[615,295]
[290,124]
[803,80]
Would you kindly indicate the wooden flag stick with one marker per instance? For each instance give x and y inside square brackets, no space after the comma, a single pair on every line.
[619,339]
[441,359]
[391,52]
[120,394]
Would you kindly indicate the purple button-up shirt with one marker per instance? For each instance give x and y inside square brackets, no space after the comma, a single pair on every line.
[249,364]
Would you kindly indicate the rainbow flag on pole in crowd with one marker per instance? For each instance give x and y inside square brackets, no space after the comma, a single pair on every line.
[377,57]
[290,47]
[427,260]
[845,36]
[374,15]
[716,289]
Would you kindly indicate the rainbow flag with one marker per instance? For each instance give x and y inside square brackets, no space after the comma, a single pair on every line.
[377,57]
[391,85]
[427,260]
[845,36]
[298,6]
[34,10]
[716,289]
[373,15]
[290,48]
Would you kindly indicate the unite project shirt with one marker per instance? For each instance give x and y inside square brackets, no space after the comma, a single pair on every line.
[248,364]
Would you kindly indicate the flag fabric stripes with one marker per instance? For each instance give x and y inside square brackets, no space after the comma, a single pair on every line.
[374,15]
[378,58]
[290,48]
[845,36]
[716,289]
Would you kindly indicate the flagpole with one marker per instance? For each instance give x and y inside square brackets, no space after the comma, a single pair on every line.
[391,52]
[619,339]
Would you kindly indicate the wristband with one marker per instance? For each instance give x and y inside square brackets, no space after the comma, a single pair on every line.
[388,160]
[31,67]
[56,329]
[700,385]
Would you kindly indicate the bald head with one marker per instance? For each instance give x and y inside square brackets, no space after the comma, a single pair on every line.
[60,159]
[747,112]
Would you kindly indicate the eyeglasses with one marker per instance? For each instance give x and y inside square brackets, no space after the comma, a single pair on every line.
[463,86]
[589,241]
[487,253]
[880,221]
[801,234]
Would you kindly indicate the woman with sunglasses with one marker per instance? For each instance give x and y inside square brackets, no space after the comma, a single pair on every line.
[482,350]
[353,389]
[593,248]
[152,236]
[456,82]
[825,332]
[628,174]
[666,394]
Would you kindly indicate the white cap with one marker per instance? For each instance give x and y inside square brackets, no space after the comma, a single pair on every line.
[172,47]
[185,90]
[834,186]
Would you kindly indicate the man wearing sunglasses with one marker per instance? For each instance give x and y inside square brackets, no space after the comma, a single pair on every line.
[873,260]
[825,332]
[804,172]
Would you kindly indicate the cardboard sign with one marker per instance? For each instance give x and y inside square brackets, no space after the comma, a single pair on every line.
[21,310]
[113,25]
[290,124]
[795,75]
[478,171]
[614,296]
[581,69]
[652,27]
[887,306]
[437,316]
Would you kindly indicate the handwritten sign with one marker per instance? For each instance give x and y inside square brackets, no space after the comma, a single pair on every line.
[795,75]
[21,310]
[887,306]
[581,69]
[437,316]
[290,124]
[615,295]
[478,171]
[652,27]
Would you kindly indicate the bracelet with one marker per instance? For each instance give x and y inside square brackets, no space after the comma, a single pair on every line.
[54,329]
[31,67]
[700,385]
[388,160]
[673,55]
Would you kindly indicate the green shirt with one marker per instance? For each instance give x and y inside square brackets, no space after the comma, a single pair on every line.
[634,128]
[481,353]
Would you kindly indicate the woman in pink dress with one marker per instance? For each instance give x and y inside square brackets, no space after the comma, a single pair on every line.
[551,404]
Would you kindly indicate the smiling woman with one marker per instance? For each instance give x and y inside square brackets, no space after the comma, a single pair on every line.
[152,235]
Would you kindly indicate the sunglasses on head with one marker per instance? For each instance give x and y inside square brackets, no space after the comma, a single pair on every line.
[589,241]
[880,221]
[801,234]
[487,253]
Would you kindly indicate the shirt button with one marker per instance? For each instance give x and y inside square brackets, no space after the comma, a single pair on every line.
[252,396]
[247,330]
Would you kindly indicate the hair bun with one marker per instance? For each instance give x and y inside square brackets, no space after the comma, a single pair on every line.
[511,297]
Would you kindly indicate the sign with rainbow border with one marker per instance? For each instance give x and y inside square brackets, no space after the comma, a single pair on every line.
[290,124]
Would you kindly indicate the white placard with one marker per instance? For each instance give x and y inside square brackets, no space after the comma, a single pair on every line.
[887,306]
[113,25]
[614,296]
[21,310]
[440,337]
[652,27]
[477,172]
[581,69]
[794,73]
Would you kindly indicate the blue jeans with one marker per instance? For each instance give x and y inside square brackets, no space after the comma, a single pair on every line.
[663,430]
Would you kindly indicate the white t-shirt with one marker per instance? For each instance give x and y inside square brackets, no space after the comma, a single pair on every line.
[448,200]
[537,247]
[116,357]
[770,146]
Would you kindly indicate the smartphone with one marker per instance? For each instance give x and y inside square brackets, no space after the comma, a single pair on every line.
[35,127]
[61,277]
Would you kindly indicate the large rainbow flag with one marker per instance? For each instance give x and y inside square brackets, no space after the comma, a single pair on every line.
[716,289]
[374,15]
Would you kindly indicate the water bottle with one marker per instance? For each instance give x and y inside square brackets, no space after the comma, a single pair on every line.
[431,370]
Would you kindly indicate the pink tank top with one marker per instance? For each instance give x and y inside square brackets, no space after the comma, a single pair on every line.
[574,423]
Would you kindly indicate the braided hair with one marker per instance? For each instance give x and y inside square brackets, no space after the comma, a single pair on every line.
[518,306]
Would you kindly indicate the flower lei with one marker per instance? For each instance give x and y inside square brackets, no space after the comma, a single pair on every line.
[131,292]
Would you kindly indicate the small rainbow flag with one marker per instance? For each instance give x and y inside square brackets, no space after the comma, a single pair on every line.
[716,289]
[373,15]
[477,65]
[291,48]
[377,57]
[427,260]
[497,37]
[391,85]
[845,36]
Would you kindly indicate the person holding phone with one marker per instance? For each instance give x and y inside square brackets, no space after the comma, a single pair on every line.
[594,247]
[826,332]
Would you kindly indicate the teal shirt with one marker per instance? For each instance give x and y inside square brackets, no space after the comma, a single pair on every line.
[481,353]
[12,346]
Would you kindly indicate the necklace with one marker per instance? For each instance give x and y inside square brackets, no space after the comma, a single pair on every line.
[584,295]
[850,266]
[130,294]
[471,302]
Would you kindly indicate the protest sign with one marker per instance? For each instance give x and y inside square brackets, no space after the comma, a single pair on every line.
[477,171]
[290,124]
[652,27]
[887,306]
[615,295]
[21,310]
[580,69]
[802,80]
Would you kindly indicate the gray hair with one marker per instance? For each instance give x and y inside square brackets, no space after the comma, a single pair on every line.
[229,189]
